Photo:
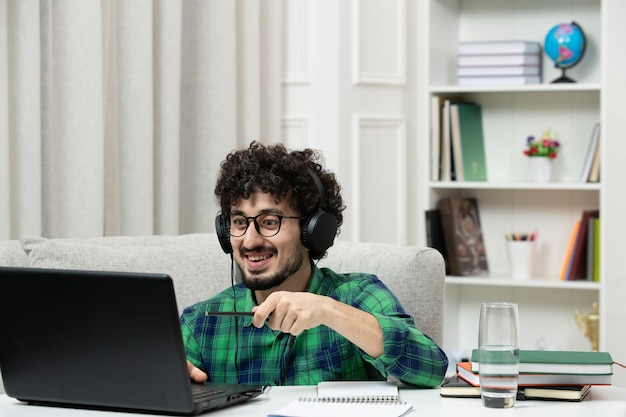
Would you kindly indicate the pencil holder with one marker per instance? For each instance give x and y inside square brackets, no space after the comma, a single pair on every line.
[521,257]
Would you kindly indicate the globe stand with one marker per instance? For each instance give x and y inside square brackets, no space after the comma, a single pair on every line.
[563,78]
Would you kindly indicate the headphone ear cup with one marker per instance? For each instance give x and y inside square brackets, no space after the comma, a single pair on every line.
[319,231]
[222,229]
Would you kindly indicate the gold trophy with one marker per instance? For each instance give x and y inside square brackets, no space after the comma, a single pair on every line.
[589,324]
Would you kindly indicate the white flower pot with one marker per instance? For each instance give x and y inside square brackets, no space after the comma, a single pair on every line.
[541,168]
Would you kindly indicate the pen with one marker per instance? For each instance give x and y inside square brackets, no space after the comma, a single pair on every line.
[229,313]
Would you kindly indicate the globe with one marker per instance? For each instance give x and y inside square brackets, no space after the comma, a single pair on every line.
[565,45]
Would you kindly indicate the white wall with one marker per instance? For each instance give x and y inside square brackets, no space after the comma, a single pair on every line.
[349,91]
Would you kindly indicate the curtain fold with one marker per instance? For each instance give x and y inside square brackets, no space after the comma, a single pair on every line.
[118,113]
[23,96]
[5,224]
[167,114]
[135,93]
[73,126]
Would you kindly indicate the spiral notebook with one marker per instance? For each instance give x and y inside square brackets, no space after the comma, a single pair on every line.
[345,398]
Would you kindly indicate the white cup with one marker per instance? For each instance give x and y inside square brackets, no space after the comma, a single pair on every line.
[521,258]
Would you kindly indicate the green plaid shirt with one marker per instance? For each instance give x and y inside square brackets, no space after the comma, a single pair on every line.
[230,349]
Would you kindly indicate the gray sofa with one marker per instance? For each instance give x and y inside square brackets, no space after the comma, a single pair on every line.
[200,269]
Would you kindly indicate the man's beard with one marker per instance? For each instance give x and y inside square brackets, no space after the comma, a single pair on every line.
[258,282]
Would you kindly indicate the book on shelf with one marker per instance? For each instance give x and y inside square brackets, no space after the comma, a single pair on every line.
[343,398]
[434,234]
[594,174]
[558,362]
[498,71]
[464,370]
[468,142]
[498,60]
[446,166]
[596,250]
[457,387]
[505,47]
[465,248]
[591,248]
[500,80]
[592,148]
[578,268]
[567,261]
[446,144]
[455,141]
[436,107]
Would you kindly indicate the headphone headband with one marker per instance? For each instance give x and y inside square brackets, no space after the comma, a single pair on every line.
[320,188]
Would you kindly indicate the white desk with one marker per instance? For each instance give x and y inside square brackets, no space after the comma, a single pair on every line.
[601,402]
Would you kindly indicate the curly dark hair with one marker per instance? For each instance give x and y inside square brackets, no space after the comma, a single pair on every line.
[282,173]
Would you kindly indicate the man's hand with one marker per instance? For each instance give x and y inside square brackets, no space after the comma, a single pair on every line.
[295,312]
[196,374]
[291,312]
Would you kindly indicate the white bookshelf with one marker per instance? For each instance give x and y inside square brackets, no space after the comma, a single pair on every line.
[509,200]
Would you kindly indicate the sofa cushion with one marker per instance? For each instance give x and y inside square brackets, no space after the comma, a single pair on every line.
[196,263]
[11,253]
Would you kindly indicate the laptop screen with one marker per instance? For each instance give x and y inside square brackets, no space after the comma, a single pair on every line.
[98,339]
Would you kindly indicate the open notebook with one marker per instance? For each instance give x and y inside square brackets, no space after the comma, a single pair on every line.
[349,398]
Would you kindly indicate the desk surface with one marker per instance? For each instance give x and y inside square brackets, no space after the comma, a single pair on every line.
[601,401]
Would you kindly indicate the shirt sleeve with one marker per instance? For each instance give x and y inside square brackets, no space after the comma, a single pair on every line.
[192,348]
[409,355]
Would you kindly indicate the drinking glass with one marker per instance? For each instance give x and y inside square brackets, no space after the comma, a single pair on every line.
[498,349]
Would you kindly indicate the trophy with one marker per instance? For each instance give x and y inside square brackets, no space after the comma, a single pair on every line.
[589,325]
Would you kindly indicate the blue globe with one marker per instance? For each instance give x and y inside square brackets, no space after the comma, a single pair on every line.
[565,44]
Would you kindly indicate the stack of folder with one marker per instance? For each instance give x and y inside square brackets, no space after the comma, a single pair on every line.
[513,62]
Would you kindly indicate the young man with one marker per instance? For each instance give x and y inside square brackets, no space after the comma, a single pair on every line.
[279,212]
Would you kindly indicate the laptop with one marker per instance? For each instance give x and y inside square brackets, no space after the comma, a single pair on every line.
[100,340]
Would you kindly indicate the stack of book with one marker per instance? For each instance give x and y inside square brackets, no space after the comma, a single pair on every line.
[457,140]
[457,387]
[581,260]
[555,375]
[513,62]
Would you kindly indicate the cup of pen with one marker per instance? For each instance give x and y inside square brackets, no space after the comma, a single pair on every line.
[498,354]
[521,253]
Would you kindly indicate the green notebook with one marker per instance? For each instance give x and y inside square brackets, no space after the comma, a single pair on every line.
[559,362]
[470,136]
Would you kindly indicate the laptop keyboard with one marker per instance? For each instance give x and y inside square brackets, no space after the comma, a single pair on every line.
[200,391]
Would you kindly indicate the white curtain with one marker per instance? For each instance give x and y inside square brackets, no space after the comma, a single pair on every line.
[115,114]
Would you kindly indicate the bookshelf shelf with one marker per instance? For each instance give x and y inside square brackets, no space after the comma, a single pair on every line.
[533,186]
[528,283]
[536,88]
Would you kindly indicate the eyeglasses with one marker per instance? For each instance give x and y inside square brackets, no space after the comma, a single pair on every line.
[266,224]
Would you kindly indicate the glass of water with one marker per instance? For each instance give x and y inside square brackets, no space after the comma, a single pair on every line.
[498,346]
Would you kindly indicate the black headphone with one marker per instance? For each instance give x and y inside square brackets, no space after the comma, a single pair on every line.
[318,230]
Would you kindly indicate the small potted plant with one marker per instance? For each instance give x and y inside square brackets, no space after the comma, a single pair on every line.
[541,152]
